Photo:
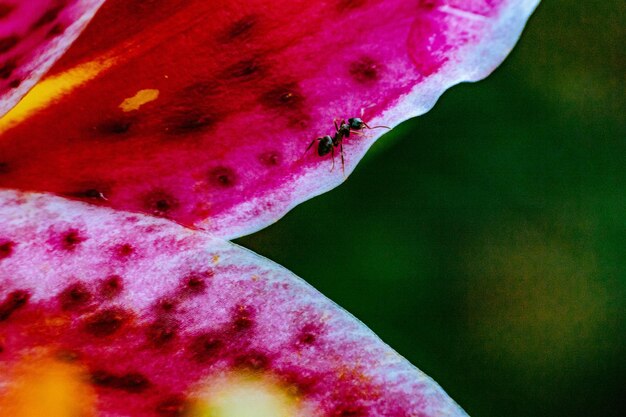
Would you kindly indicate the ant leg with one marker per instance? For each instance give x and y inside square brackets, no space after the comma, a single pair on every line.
[343,167]
[335,120]
[309,147]
[333,154]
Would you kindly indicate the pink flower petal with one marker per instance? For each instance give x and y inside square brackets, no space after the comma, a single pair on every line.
[156,314]
[203,111]
[33,35]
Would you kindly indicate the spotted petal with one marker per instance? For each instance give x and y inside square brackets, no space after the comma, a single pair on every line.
[201,112]
[33,35]
[114,314]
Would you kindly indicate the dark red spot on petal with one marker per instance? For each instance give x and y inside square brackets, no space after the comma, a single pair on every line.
[365,70]
[223,177]
[243,318]
[299,382]
[166,305]
[6,248]
[161,332]
[94,191]
[349,411]
[241,28]
[125,250]
[8,42]
[160,203]
[345,5]
[15,83]
[283,97]
[427,4]
[56,30]
[254,361]
[188,119]
[4,168]
[6,9]
[132,382]
[13,302]
[111,287]
[270,158]
[205,347]
[308,334]
[106,322]
[194,284]
[244,70]
[6,69]
[114,128]
[71,239]
[48,17]
[75,297]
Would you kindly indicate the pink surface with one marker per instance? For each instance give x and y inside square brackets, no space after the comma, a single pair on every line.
[33,35]
[150,308]
[243,88]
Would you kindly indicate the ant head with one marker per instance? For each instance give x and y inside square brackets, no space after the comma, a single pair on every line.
[356,123]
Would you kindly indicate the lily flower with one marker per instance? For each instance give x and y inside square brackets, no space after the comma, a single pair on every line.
[180,124]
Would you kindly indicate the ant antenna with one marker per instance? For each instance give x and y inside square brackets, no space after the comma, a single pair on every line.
[373,127]
[376,127]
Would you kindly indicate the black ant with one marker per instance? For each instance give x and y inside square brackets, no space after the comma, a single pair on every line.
[327,144]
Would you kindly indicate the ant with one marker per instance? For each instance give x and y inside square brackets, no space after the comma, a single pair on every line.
[327,144]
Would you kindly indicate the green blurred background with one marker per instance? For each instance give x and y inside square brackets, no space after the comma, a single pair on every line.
[486,240]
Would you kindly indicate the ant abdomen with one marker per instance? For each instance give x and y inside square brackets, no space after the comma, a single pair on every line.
[325,145]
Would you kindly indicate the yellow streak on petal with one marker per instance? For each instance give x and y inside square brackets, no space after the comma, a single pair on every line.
[142,97]
[53,88]
[42,386]
[244,395]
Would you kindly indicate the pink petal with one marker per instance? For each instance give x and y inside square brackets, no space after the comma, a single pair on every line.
[33,35]
[202,111]
[151,309]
